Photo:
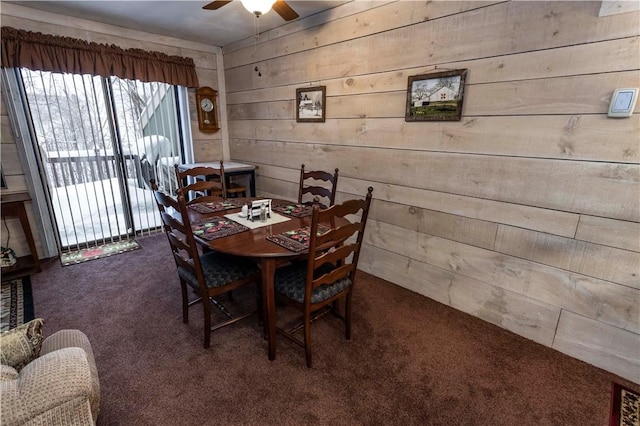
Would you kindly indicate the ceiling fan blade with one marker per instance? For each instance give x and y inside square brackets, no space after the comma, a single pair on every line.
[216,4]
[283,9]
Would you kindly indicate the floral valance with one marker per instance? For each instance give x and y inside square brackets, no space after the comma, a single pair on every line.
[45,52]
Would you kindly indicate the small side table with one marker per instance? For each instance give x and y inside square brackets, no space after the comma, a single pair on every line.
[13,206]
[231,168]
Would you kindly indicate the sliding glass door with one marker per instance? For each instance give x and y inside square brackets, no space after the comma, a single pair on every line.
[100,143]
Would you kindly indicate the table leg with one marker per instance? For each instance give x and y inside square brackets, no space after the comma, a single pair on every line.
[268,268]
[252,183]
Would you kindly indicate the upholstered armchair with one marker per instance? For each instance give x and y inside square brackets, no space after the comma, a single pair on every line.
[47,382]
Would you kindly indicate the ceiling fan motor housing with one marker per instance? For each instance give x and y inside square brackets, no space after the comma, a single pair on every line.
[258,7]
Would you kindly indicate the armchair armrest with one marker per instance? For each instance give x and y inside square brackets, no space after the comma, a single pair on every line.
[54,388]
[76,338]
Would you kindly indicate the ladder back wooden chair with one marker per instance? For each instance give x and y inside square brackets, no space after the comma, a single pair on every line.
[316,286]
[210,274]
[318,184]
[201,184]
[234,189]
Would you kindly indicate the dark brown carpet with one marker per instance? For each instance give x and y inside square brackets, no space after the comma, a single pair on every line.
[411,361]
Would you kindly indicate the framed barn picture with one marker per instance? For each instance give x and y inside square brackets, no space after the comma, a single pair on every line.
[436,96]
[310,103]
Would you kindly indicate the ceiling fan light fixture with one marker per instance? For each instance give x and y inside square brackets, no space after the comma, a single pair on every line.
[258,7]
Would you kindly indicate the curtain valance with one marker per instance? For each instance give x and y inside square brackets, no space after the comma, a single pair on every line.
[46,52]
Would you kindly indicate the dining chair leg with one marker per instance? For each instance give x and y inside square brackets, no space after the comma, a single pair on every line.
[347,316]
[206,304]
[185,302]
[307,337]
[335,308]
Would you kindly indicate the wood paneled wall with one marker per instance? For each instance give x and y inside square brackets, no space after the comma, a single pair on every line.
[526,213]
[11,232]
[207,147]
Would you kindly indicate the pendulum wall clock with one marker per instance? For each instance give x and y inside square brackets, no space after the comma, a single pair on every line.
[207,109]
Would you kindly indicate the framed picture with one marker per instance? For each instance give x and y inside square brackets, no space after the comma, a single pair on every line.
[310,103]
[435,96]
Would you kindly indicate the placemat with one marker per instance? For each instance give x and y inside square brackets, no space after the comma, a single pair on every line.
[294,209]
[216,227]
[296,240]
[213,207]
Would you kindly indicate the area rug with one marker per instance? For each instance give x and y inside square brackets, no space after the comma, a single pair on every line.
[625,406]
[92,253]
[16,303]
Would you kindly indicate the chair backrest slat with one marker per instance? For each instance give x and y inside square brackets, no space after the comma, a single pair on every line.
[172,221]
[335,247]
[339,234]
[309,185]
[178,241]
[336,254]
[333,276]
[182,260]
[209,183]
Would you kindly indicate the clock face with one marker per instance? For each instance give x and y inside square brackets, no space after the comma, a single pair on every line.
[206,105]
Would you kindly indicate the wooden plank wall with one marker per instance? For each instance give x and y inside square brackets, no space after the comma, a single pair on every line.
[526,212]
[207,147]
[11,233]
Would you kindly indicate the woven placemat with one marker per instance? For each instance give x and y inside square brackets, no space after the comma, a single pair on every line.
[296,240]
[216,227]
[294,209]
[213,207]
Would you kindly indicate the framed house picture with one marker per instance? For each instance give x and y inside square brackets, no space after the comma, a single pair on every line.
[310,104]
[436,96]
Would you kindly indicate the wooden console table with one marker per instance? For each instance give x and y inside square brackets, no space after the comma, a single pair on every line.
[13,206]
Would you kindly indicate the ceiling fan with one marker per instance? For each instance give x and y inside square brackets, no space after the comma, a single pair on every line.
[259,7]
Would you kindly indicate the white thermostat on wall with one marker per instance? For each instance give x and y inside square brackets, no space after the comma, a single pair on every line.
[623,102]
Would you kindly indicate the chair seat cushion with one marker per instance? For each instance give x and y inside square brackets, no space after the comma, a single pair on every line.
[290,282]
[220,269]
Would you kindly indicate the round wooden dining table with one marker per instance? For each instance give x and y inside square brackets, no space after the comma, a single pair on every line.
[253,243]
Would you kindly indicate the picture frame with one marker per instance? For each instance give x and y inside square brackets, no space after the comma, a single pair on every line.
[436,96]
[310,104]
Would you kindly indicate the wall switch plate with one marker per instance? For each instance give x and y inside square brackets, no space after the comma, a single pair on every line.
[623,102]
